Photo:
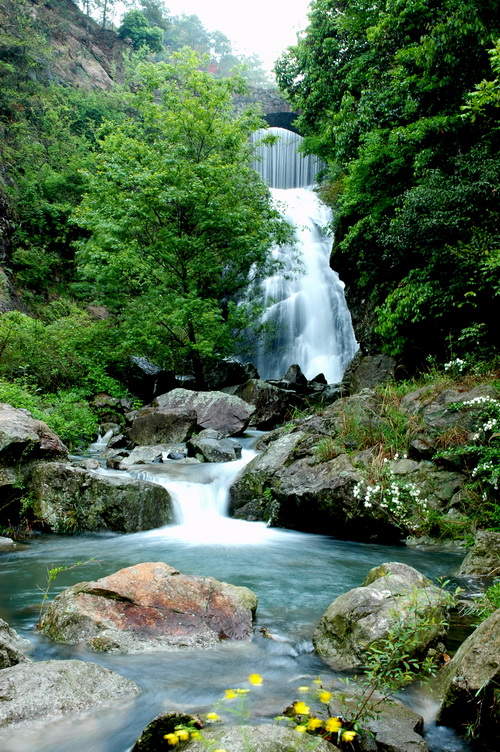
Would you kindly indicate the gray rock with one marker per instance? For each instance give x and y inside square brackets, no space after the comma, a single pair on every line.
[371,371]
[483,560]
[70,499]
[471,680]
[225,413]
[23,437]
[150,607]
[265,738]
[211,446]
[271,403]
[391,594]
[6,544]
[49,689]
[12,647]
[159,424]
[144,455]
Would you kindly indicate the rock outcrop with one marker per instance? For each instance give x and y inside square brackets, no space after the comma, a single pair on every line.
[150,607]
[393,594]
[48,689]
[24,439]
[470,691]
[483,560]
[70,499]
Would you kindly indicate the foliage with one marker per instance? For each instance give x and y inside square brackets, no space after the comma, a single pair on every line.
[67,413]
[179,223]
[487,603]
[381,87]
[136,27]
[52,575]
[480,458]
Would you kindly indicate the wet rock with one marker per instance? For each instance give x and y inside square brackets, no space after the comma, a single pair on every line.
[12,647]
[264,738]
[211,446]
[144,455]
[162,424]
[223,412]
[295,376]
[392,593]
[471,680]
[150,607]
[6,544]
[24,438]
[371,371]
[225,373]
[70,499]
[483,560]
[48,689]
[272,404]
[152,738]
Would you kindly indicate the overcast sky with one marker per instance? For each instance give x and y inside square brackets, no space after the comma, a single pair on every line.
[264,27]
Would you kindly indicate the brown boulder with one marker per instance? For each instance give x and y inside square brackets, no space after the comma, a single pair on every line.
[150,607]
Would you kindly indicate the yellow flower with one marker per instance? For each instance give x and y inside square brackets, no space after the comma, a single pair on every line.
[301,729]
[333,724]
[242,691]
[195,735]
[212,717]
[303,689]
[172,739]
[348,736]
[314,723]
[229,694]
[316,681]
[325,696]
[255,679]
[183,734]
[301,708]
[219,750]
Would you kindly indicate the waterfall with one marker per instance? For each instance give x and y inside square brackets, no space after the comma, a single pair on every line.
[306,307]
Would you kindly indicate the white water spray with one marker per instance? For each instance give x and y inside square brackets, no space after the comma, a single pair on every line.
[307,309]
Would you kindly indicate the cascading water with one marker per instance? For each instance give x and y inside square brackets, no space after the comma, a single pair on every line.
[307,311]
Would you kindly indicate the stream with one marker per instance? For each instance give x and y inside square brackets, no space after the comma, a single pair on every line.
[295,575]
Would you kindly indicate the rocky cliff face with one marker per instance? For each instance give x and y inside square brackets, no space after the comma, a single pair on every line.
[84,55]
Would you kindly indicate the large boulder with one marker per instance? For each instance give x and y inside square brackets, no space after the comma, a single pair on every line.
[150,607]
[392,594]
[48,689]
[483,560]
[272,404]
[22,438]
[12,647]
[225,413]
[371,371]
[288,485]
[70,499]
[162,424]
[471,698]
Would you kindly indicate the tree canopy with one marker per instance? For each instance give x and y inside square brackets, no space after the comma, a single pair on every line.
[413,176]
[179,223]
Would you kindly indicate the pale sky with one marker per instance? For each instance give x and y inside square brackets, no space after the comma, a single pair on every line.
[264,27]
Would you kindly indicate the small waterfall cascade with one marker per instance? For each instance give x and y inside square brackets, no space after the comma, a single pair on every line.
[310,322]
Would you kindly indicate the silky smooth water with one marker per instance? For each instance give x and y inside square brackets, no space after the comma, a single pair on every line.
[295,575]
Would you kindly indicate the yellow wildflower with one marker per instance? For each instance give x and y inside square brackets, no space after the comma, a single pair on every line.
[172,739]
[333,724]
[242,691]
[212,717]
[195,735]
[183,734]
[255,679]
[325,696]
[301,708]
[303,689]
[348,736]
[229,694]
[314,723]
[301,729]
[219,750]
[316,681]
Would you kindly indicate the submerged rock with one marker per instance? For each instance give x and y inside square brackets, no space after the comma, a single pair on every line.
[48,689]
[12,647]
[150,607]
[69,499]
[470,689]
[391,594]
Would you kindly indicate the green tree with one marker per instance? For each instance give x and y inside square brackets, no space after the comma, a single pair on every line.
[381,85]
[179,224]
[136,27]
